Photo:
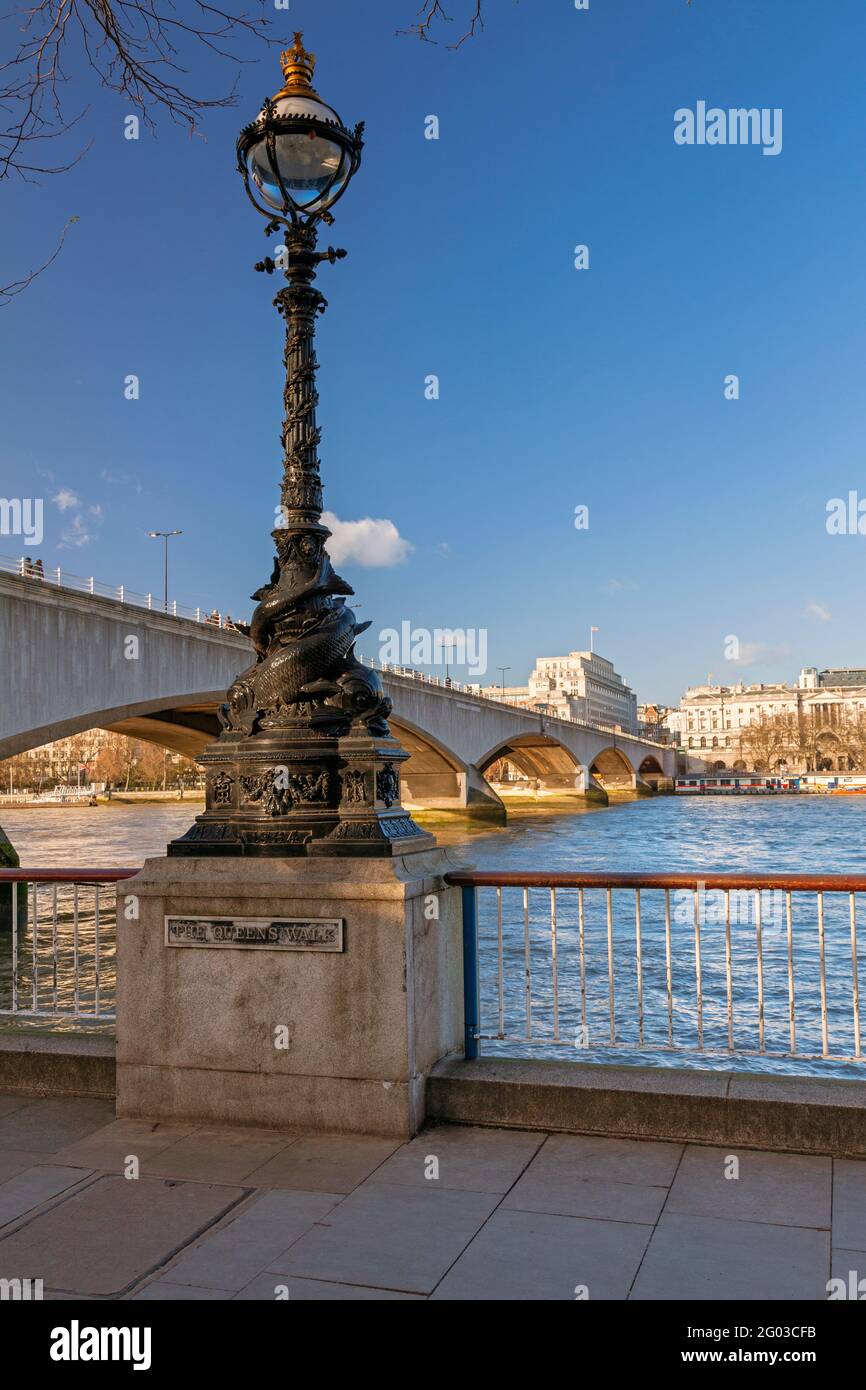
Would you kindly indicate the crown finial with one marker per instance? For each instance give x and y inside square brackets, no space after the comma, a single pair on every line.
[298,66]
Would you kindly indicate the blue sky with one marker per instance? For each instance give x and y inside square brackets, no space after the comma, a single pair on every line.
[558,387]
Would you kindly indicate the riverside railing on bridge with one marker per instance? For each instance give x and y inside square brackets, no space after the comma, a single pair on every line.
[62,579]
[474,692]
[736,965]
[635,967]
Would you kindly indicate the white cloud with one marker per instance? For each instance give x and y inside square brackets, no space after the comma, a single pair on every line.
[372,543]
[65,499]
[617,586]
[83,522]
[122,479]
[758,653]
[817,610]
[76,534]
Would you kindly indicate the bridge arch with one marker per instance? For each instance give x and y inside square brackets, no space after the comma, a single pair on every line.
[433,774]
[611,768]
[432,769]
[545,762]
[181,723]
[651,770]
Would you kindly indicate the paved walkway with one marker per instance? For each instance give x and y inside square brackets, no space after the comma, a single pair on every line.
[458,1213]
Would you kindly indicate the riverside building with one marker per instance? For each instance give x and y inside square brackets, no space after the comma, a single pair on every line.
[817,725]
[581,685]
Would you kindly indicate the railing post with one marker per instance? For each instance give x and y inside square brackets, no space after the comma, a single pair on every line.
[470,974]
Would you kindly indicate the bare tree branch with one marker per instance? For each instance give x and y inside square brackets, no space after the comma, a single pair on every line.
[137,48]
[8,292]
[433,10]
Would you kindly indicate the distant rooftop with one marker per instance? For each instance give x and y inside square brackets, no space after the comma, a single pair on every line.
[842,676]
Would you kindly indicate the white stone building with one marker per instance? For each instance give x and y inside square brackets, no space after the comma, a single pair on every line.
[710,718]
[581,685]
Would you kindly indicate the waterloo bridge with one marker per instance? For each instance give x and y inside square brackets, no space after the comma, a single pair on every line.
[71,666]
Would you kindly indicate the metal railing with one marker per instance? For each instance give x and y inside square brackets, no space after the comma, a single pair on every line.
[412,673]
[731,965]
[715,965]
[79,584]
[75,583]
[57,943]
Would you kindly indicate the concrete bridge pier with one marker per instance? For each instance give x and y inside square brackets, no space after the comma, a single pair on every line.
[466,794]
[590,788]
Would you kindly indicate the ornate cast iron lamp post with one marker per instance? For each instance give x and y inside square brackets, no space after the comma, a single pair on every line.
[305,763]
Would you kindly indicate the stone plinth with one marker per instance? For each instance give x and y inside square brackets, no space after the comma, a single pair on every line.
[200,1028]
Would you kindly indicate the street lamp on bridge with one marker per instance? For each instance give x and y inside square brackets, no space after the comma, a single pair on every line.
[305,763]
[166,536]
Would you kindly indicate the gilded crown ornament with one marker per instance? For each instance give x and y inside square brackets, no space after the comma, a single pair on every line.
[298,66]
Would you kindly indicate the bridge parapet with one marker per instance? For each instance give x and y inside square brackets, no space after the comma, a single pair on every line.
[65,653]
[57,578]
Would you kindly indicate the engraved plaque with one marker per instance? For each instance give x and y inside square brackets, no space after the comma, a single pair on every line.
[244,933]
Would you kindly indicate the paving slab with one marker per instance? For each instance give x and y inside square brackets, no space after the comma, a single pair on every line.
[782,1189]
[470,1159]
[567,1195]
[14,1161]
[162,1291]
[850,1266]
[218,1155]
[849,1203]
[105,1238]
[28,1190]
[389,1236]
[701,1257]
[273,1288]
[109,1148]
[646,1162]
[48,1125]
[324,1163]
[533,1255]
[9,1103]
[230,1257]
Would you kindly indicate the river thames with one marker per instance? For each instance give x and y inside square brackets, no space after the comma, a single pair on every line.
[666,834]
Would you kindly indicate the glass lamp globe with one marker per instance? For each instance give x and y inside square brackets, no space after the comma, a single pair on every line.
[297,156]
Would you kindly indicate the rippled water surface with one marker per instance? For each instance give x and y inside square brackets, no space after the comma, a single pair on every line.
[791,834]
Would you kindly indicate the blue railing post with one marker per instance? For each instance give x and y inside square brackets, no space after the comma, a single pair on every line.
[470,974]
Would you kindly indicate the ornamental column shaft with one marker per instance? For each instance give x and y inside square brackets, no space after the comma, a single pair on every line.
[306,763]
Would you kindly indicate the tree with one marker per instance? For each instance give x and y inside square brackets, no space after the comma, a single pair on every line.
[771,739]
[855,736]
[137,48]
[432,14]
[115,761]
